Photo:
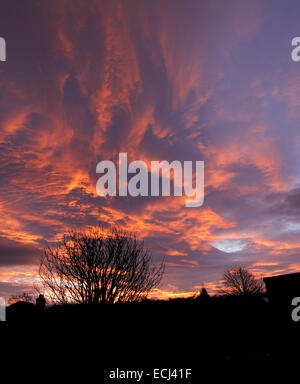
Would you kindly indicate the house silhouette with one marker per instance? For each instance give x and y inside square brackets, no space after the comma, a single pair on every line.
[281,290]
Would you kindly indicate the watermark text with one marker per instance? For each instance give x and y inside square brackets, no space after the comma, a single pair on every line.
[159,178]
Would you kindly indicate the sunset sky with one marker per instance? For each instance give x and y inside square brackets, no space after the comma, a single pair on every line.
[161,80]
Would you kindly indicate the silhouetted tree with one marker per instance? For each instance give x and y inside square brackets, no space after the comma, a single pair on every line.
[240,281]
[204,292]
[97,267]
[27,297]
[40,302]
[203,297]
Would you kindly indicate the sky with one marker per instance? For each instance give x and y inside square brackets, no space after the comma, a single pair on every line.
[208,81]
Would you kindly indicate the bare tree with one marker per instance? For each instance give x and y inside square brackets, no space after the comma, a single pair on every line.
[28,297]
[94,267]
[240,281]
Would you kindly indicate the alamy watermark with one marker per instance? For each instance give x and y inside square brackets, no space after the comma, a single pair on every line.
[2,49]
[138,185]
[2,309]
[296,311]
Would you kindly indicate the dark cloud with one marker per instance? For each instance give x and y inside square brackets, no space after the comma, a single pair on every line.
[284,204]
[14,253]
